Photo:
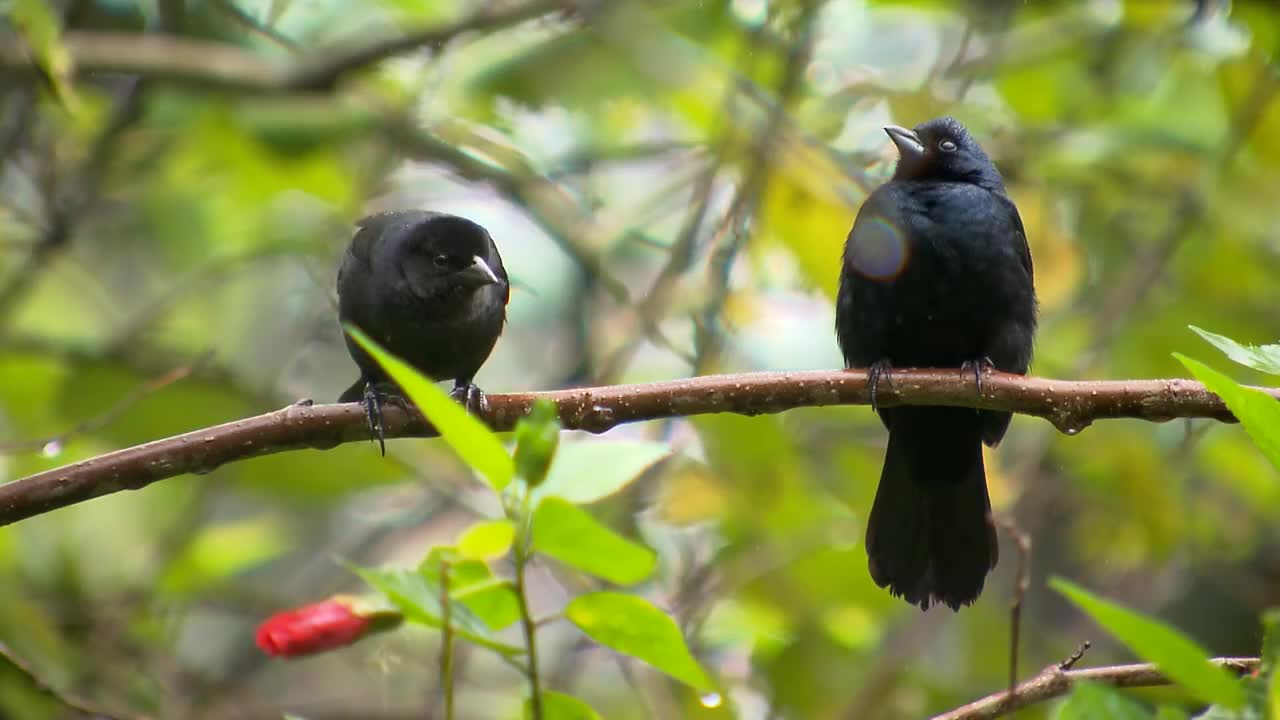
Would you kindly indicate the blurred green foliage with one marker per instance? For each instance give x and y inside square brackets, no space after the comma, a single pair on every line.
[143,225]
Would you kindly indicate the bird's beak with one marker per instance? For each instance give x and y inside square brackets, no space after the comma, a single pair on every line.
[910,149]
[477,274]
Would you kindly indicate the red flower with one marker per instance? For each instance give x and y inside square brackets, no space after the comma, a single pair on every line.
[328,624]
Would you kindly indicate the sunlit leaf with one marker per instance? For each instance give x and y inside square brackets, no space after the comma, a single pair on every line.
[558,706]
[569,534]
[486,540]
[1259,357]
[1177,656]
[475,443]
[584,472]
[1258,412]
[634,627]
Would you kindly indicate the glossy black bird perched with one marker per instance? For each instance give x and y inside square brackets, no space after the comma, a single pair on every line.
[430,288]
[936,273]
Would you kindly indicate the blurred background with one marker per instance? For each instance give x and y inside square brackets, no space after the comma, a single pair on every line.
[670,184]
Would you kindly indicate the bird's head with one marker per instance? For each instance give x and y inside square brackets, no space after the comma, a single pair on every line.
[445,254]
[941,149]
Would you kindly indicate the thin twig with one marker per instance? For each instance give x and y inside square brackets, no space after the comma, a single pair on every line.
[1069,405]
[1021,583]
[1075,656]
[1054,682]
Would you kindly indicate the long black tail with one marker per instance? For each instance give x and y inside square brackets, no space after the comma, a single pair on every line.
[930,538]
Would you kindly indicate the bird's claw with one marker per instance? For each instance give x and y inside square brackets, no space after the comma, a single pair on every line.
[373,412]
[471,397]
[978,368]
[879,369]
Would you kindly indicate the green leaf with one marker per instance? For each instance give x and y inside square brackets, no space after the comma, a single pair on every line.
[537,436]
[475,443]
[1088,701]
[1259,357]
[1258,412]
[585,472]
[558,706]
[487,540]
[634,627]
[418,598]
[1177,656]
[569,534]
[472,583]
[1168,712]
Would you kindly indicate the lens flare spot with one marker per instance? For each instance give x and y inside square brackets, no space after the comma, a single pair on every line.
[879,250]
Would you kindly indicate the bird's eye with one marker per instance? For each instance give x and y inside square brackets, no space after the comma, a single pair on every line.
[440,261]
[947,146]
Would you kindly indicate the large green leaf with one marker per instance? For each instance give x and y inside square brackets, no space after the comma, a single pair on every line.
[1177,656]
[1258,412]
[418,597]
[569,534]
[558,706]
[474,442]
[634,627]
[1259,357]
[584,472]
[1088,701]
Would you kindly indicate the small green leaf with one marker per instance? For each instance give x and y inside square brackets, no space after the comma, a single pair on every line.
[1089,701]
[1177,656]
[1259,357]
[472,583]
[1168,712]
[475,443]
[38,23]
[634,627]
[487,540]
[585,472]
[418,598]
[1258,412]
[569,534]
[558,706]
[537,436]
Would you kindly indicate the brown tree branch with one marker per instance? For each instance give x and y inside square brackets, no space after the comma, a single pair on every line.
[1054,682]
[1069,405]
[210,64]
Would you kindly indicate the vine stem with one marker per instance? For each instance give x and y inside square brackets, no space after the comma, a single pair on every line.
[530,632]
[446,641]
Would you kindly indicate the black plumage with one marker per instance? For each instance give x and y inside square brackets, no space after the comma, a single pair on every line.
[430,288]
[936,273]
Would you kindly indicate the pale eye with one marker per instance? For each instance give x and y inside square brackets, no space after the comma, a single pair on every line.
[440,261]
[947,146]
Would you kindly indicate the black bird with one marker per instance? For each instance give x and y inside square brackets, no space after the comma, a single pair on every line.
[936,273]
[430,288]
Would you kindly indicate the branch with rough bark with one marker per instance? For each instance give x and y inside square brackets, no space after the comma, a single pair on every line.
[1054,681]
[1069,405]
[222,65]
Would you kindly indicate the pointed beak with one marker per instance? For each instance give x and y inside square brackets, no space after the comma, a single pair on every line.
[910,149]
[477,274]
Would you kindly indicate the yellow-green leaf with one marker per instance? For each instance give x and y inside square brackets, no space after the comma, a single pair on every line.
[486,540]
[558,706]
[475,443]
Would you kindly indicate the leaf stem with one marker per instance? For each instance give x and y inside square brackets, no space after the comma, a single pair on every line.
[530,631]
[446,642]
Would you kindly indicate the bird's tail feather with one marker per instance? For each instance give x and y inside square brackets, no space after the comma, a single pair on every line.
[930,538]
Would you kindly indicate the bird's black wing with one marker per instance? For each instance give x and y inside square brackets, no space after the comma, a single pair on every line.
[874,251]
